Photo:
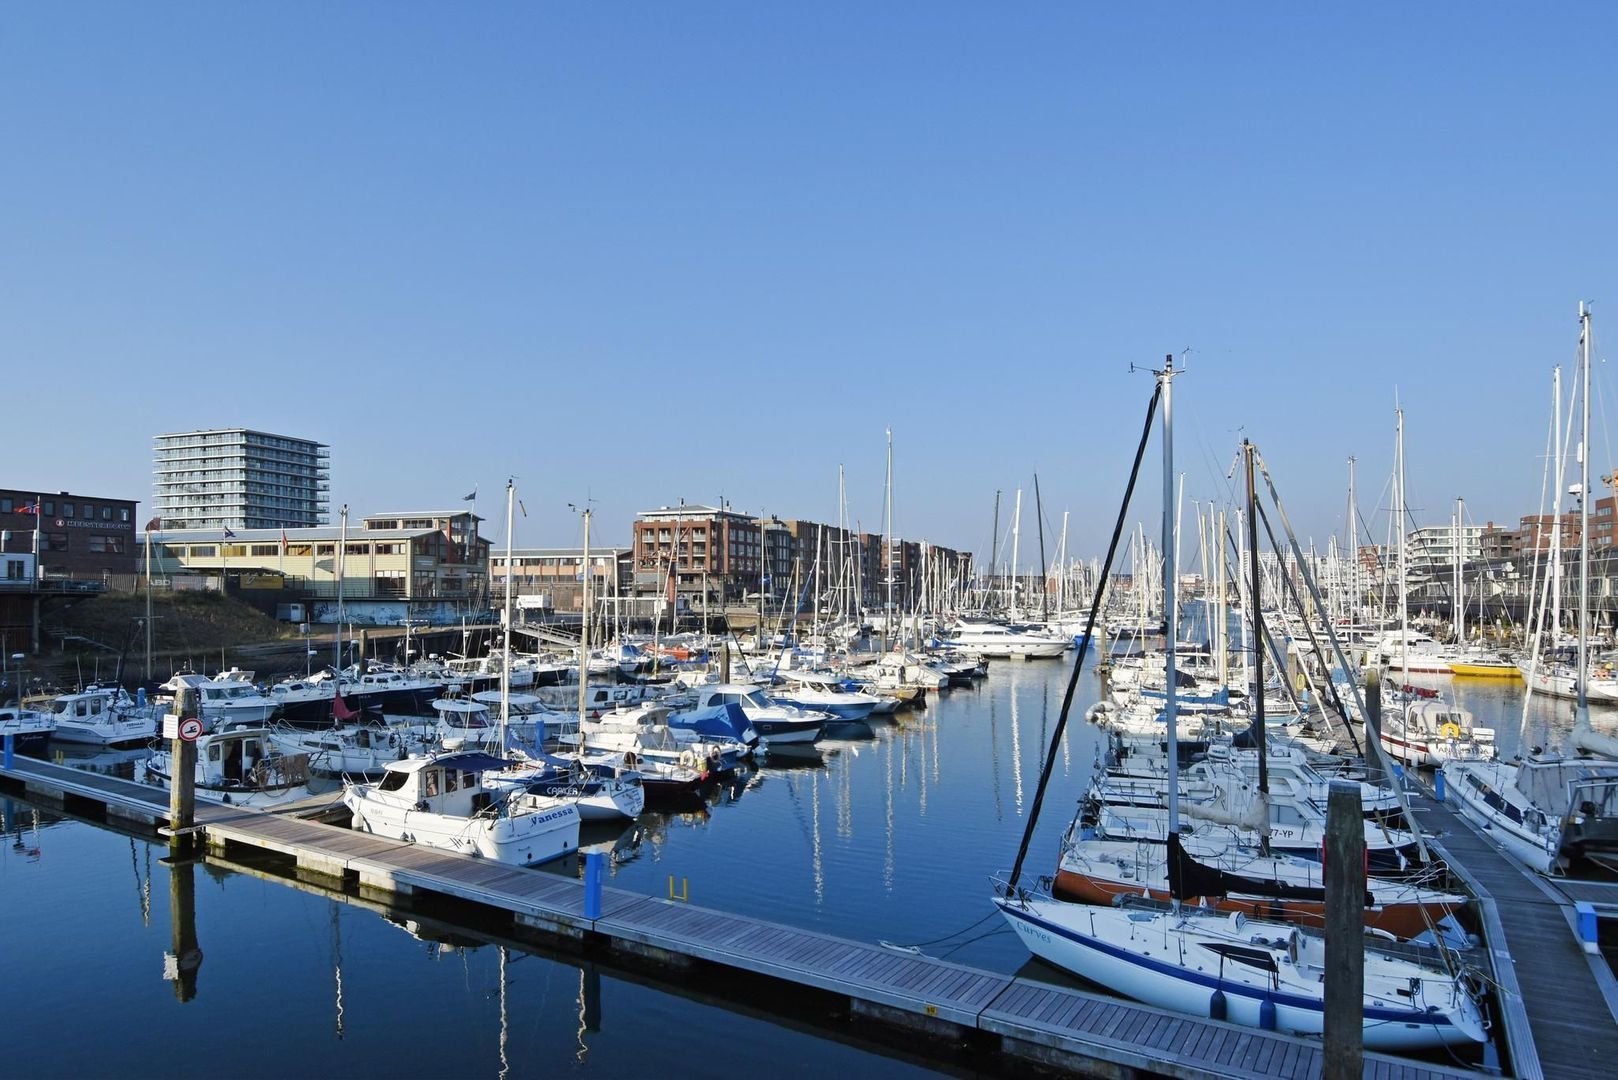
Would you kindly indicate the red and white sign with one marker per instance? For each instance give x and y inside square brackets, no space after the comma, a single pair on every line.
[190,729]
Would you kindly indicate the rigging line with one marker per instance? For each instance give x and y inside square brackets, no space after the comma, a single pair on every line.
[1309,628]
[1084,644]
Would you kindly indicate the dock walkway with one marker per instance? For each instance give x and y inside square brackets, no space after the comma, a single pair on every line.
[1559,1017]
[996,1014]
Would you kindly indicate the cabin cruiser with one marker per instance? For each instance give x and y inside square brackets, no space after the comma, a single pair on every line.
[993,639]
[241,767]
[313,700]
[355,749]
[102,716]
[777,723]
[816,691]
[394,691]
[442,801]
[643,735]
[29,731]
[615,795]
[230,700]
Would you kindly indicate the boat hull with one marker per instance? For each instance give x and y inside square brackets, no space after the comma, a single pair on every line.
[1146,979]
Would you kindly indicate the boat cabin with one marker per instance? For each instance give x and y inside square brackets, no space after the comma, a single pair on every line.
[248,757]
[450,784]
[90,705]
[749,697]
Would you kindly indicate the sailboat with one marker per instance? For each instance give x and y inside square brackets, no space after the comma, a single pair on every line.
[1205,962]
[1423,729]
[1554,812]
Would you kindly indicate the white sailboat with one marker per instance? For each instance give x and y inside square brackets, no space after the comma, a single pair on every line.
[1261,974]
[1553,812]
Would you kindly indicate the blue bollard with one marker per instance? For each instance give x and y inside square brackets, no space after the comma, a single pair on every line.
[1438,785]
[11,749]
[1589,936]
[593,861]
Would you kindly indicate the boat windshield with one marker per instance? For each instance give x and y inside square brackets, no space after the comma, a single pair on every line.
[755,699]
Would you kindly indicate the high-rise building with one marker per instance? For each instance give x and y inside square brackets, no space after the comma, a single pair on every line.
[236,478]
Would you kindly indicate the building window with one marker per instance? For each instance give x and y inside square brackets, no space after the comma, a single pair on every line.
[106,513]
[106,545]
[67,509]
[264,549]
[204,551]
[5,505]
[357,549]
[123,514]
[49,508]
[323,549]
[14,569]
[56,541]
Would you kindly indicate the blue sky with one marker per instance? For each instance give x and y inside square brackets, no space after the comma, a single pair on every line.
[644,252]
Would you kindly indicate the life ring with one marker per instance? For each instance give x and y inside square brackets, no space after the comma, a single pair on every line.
[713,755]
[629,759]
[1450,730]
[688,759]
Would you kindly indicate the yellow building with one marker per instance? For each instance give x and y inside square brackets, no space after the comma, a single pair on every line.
[424,565]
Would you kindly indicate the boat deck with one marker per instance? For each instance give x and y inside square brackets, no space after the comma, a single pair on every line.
[1009,1018]
[1558,1015]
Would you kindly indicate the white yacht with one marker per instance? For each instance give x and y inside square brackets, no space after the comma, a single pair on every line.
[993,639]
[101,716]
[230,700]
[442,801]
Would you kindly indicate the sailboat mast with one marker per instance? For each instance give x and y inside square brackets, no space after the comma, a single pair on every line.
[1583,707]
[1353,552]
[1016,544]
[584,619]
[1455,598]
[994,543]
[887,549]
[342,552]
[1171,628]
[1260,733]
[1399,533]
[505,623]
[1039,519]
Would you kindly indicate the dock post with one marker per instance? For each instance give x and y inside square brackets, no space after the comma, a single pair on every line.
[724,662]
[1373,727]
[10,750]
[182,776]
[1438,785]
[593,861]
[1589,934]
[1345,934]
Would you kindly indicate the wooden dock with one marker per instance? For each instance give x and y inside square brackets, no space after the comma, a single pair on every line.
[1558,1002]
[1001,1019]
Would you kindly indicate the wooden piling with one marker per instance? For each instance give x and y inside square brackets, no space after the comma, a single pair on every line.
[1373,727]
[1345,933]
[182,776]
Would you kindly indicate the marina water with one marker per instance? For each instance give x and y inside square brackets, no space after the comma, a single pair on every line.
[891,835]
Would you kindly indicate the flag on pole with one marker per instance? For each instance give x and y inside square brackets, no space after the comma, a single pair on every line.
[229,535]
[154,525]
[32,508]
[283,540]
[470,498]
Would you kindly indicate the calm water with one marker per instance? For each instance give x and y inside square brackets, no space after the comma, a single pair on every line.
[892,837]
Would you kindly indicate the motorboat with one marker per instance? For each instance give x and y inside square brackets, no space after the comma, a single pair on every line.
[442,801]
[102,716]
[994,639]
[600,795]
[226,701]
[29,730]
[241,767]
[777,723]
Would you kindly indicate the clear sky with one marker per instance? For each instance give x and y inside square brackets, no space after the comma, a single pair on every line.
[645,252]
